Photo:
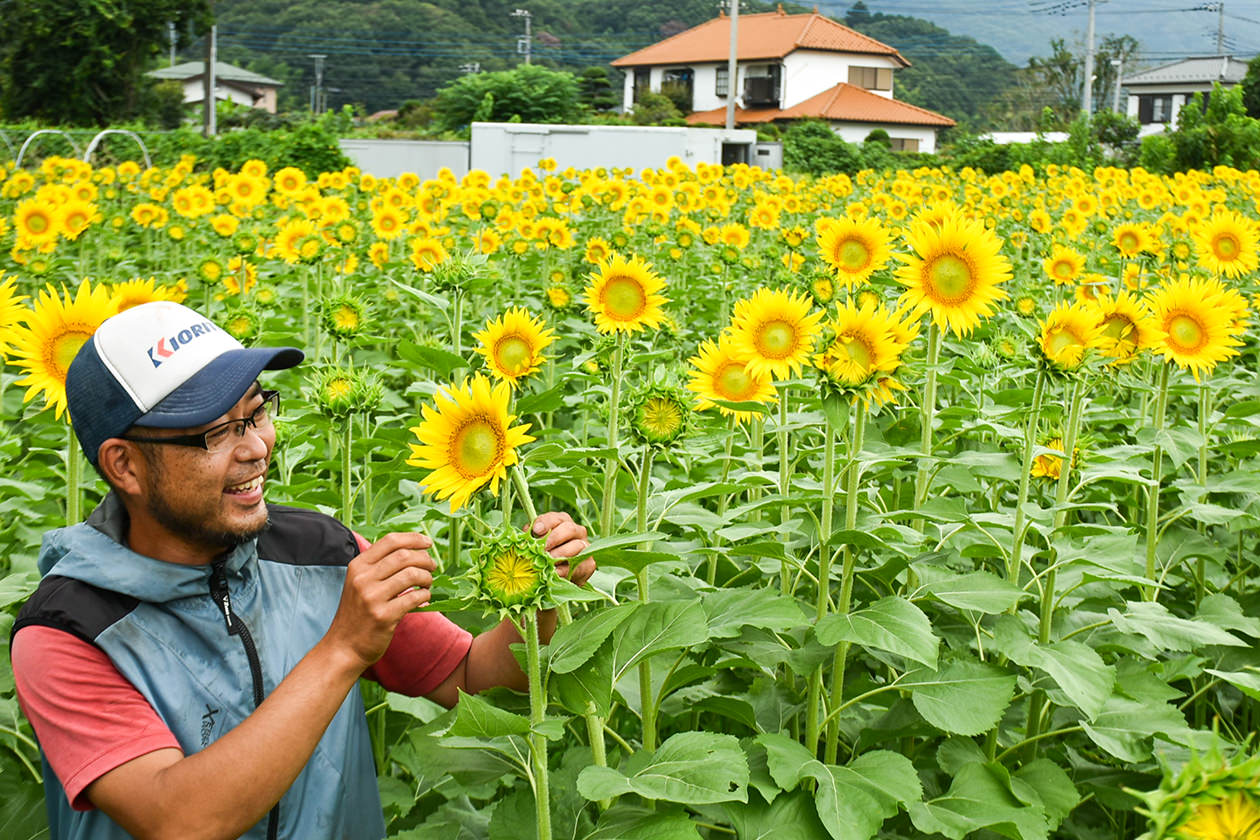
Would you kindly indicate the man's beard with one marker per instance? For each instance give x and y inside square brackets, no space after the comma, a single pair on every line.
[193,529]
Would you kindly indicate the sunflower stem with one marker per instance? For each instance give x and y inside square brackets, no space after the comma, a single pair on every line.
[74,456]
[537,713]
[927,411]
[724,499]
[785,479]
[522,491]
[758,429]
[814,694]
[1205,407]
[852,476]
[1152,498]
[347,487]
[611,464]
[647,699]
[457,326]
[599,753]
[1030,439]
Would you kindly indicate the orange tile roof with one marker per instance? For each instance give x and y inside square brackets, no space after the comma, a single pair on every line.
[842,103]
[763,35]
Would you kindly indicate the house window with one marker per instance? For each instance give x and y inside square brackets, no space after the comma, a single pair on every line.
[904,144]
[762,85]
[871,78]
[722,82]
[642,81]
[1154,108]
[678,85]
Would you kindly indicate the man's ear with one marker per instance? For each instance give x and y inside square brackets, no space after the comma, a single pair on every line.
[122,465]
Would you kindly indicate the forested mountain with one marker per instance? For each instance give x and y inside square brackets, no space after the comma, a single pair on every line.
[380,53]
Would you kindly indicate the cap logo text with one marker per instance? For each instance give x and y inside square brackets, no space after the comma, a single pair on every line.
[168,346]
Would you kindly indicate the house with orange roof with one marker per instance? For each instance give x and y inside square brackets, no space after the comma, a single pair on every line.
[788,67]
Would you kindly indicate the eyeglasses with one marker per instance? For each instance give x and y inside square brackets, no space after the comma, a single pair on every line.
[225,434]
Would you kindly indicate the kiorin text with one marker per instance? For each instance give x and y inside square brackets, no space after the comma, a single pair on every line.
[166,347]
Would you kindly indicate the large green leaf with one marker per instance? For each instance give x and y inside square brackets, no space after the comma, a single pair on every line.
[1077,669]
[847,812]
[1125,727]
[979,798]
[575,643]
[1167,631]
[1223,611]
[964,698]
[478,718]
[656,627]
[792,816]
[892,624]
[17,587]
[624,822]
[979,591]
[692,768]
[729,610]
[1044,783]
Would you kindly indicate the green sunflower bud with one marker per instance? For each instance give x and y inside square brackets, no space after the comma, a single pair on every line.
[243,324]
[512,572]
[343,316]
[340,392]
[659,415]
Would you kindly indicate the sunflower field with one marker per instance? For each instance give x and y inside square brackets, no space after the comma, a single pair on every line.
[926,503]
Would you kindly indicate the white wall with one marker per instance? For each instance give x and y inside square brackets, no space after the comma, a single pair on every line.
[856,133]
[808,73]
[194,91]
[391,158]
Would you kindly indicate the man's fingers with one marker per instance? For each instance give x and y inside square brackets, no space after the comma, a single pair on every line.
[548,521]
[390,543]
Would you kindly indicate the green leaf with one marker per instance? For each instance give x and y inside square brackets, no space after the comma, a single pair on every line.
[791,816]
[1218,609]
[624,822]
[634,559]
[443,362]
[478,718]
[1052,788]
[892,624]
[963,698]
[1167,631]
[785,758]
[978,798]
[1248,682]
[573,644]
[548,400]
[654,627]
[847,812]
[692,768]
[1124,727]
[17,587]
[590,683]
[618,541]
[979,591]
[729,610]
[1077,669]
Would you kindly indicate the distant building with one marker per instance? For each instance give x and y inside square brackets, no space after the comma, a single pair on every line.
[231,84]
[788,67]
[1156,96]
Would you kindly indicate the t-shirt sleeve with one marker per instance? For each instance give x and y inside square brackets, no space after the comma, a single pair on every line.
[88,718]
[426,648]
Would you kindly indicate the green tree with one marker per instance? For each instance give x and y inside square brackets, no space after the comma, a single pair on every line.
[528,93]
[83,61]
[656,109]
[811,146]
[1221,134]
[595,91]
[1251,88]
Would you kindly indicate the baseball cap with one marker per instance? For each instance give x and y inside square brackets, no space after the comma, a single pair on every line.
[163,365]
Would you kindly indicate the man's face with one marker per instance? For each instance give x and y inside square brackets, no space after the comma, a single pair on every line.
[214,499]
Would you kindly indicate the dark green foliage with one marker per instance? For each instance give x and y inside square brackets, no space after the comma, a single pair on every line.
[656,109]
[679,94]
[309,145]
[80,62]
[1251,88]
[1221,135]
[596,91]
[880,136]
[811,146]
[528,93]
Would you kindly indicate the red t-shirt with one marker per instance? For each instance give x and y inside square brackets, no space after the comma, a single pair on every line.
[89,719]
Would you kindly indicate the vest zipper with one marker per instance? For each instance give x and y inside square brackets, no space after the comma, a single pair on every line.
[221,595]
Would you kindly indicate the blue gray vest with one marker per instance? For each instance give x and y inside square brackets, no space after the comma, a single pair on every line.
[205,644]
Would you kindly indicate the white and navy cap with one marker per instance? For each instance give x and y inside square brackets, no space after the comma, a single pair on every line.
[163,365]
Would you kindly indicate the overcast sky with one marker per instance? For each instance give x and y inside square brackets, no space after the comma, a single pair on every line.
[1166,29]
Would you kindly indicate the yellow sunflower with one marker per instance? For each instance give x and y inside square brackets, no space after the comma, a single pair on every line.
[52,334]
[1127,327]
[36,222]
[854,248]
[1063,265]
[428,253]
[721,374]
[1199,330]
[1234,818]
[138,290]
[774,331]
[388,222]
[1132,238]
[11,309]
[76,216]
[955,272]
[597,250]
[1068,333]
[512,345]
[467,440]
[624,295]
[863,348]
[1226,244]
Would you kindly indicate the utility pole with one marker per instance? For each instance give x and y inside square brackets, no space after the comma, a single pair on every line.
[1087,95]
[731,65]
[1220,28]
[1117,63]
[171,36]
[524,44]
[208,91]
[317,92]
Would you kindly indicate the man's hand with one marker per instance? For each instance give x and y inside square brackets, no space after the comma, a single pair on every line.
[565,539]
[383,584]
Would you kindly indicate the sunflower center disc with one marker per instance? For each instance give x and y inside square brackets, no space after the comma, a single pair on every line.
[64,348]
[777,339]
[661,418]
[1185,332]
[1128,243]
[346,318]
[513,354]
[853,255]
[37,223]
[1063,270]
[1226,247]
[511,575]
[951,280]
[624,298]
[477,447]
[733,382]
[1061,341]
[858,351]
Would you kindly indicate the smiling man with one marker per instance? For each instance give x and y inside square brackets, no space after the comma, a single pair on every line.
[189,658]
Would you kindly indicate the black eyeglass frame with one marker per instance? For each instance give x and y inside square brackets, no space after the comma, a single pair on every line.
[269,407]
